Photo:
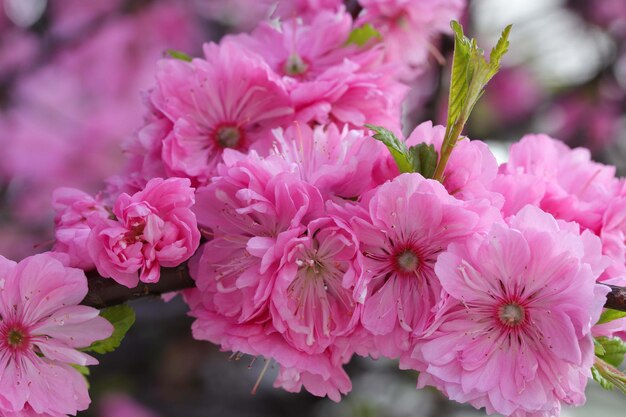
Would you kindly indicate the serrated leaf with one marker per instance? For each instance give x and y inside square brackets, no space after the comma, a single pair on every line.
[613,348]
[179,55]
[423,158]
[608,376]
[609,315]
[362,35]
[598,349]
[597,376]
[122,317]
[470,74]
[396,147]
[82,369]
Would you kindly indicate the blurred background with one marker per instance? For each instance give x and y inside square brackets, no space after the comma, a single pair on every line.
[71,76]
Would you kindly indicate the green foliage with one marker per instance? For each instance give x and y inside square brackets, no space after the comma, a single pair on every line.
[609,315]
[362,35]
[420,158]
[608,376]
[609,355]
[122,318]
[610,350]
[179,55]
[396,147]
[423,159]
[470,74]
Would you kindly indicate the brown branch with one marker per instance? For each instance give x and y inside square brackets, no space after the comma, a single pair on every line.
[105,292]
[616,299]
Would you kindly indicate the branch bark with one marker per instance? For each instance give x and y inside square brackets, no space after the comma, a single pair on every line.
[105,292]
[616,299]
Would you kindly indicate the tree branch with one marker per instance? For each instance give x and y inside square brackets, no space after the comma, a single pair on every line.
[105,292]
[616,299]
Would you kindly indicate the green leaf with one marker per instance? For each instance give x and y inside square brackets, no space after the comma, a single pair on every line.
[608,376]
[362,35]
[613,350]
[598,349]
[82,369]
[423,158]
[599,378]
[122,318]
[396,147]
[179,55]
[609,315]
[470,74]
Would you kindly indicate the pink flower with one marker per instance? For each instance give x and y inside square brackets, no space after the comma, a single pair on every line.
[41,328]
[76,212]
[409,27]
[317,289]
[471,169]
[301,50]
[339,163]
[613,234]
[230,99]
[154,227]
[251,210]
[513,334]
[254,291]
[306,9]
[332,383]
[407,223]
[328,80]
[562,181]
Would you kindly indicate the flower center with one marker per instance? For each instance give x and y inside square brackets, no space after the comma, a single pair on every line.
[228,136]
[15,338]
[511,314]
[295,65]
[407,261]
[136,226]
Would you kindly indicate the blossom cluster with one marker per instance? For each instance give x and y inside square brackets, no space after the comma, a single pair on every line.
[317,247]
[42,333]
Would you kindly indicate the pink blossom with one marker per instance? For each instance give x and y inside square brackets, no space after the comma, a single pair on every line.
[317,289]
[154,227]
[328,80]
[304,50]
[252,209]
[335,383]
[67,115]
[305,9]
[321,374]
[339,163]
[74,209]
[230,99]
[269,234]
[409,221]
[41,329]
[513,334]
[562,181]
[409,27]
[471,169]
[613,234]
